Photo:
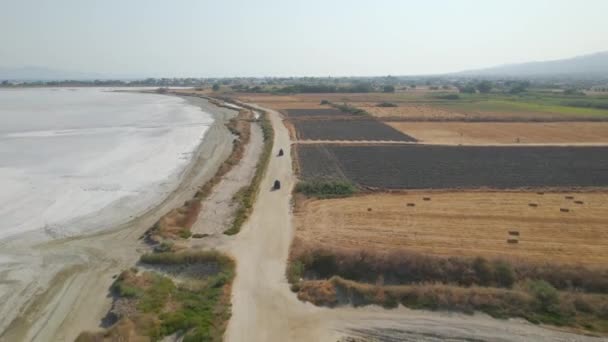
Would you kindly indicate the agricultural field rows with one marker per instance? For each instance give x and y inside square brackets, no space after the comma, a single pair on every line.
[452,167]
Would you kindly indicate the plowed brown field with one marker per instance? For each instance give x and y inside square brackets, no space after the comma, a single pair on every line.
[465,224]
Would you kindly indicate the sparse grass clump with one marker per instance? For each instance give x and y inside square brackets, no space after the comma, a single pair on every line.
[326,189]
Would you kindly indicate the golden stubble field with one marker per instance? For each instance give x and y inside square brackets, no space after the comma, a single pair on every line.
[464,224]
[482,133]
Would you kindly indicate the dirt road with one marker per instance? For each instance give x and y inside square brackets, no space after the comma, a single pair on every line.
[219,208]
[264,308]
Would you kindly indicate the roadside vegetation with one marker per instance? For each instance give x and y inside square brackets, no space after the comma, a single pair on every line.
[346,108]
[326,188]
[541,293]
[245,198]
[149,305]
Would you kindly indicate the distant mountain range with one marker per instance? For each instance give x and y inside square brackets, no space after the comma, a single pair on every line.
[44,74]
[593,65]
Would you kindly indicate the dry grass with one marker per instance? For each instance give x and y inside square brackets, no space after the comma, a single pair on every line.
[411,111]
[463,224]
[479,133]
[176,223]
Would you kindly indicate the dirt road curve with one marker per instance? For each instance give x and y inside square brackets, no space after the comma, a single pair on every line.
[264,309]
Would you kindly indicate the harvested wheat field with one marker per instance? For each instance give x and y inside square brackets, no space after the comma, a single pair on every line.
[557,227]
[478,133]
[421,112]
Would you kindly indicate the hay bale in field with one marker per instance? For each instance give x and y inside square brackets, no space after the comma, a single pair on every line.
[426,198]
[534,205]
[579,202]
[369,209]
[540,193]
[411,204]
[569,197]
[564,210]
[511,241]
[514,232]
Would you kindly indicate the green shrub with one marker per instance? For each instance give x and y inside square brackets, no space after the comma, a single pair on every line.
[448,97]
[504,274]
[483,271]
[386,104]
[388,89]
[326,189]
[546,296]
[346,108]
[295,271]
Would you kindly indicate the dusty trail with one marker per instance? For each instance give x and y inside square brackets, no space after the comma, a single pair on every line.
[218,209]
[264,308]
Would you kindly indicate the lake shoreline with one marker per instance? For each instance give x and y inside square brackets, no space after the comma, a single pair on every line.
[67,276]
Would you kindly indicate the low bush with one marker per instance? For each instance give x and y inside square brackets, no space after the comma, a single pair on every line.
[598,104]
[326,189]
[346,108]
[406,267]
[386,104]
[537,302]
[187,257]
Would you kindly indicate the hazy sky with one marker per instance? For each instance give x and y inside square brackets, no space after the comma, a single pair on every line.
[283,38]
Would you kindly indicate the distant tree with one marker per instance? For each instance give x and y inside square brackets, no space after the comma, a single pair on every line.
[216,87]
[484,86]
[519,87]
[413,86]
[446,87]
[389,89]
[573,91]
[467,89]
[4,83]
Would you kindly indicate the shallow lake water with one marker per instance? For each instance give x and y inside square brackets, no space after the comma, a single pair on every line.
[78,160]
